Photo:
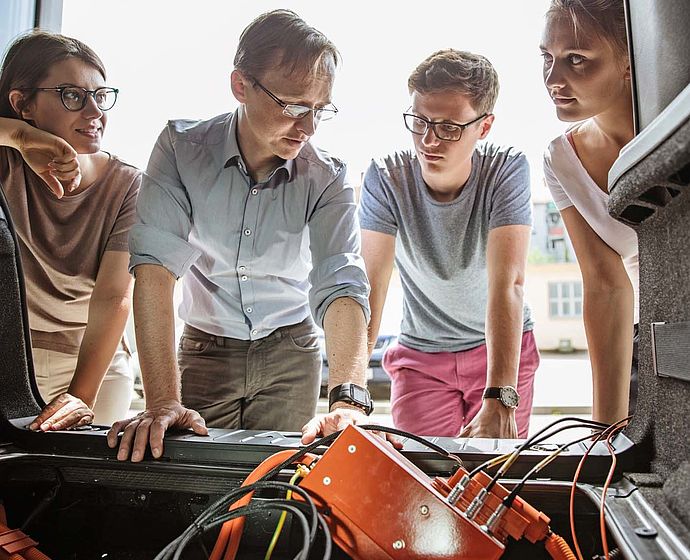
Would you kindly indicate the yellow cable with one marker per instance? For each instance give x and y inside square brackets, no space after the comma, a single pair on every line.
[300,472]
[497,460]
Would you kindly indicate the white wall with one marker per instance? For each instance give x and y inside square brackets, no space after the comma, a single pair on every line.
[548,331]
[173,58]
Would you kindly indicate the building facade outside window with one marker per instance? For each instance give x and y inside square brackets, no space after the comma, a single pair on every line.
[565,299]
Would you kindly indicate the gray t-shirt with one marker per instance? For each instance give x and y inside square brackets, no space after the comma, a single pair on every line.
[441,246]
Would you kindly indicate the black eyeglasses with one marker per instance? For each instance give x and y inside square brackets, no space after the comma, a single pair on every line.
[74,98]
[300,111]
[444,130]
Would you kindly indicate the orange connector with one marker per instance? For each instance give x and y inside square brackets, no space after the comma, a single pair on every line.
[15,545]
[521,520]
[383,507]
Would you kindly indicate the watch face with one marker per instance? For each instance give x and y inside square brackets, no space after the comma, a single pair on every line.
[510,397]
[358,394]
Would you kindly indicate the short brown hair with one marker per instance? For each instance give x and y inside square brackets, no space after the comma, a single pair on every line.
[281,38]
[462,71]
[605,18]
[29,59]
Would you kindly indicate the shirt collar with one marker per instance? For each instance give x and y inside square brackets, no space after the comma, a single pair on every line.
[233,157]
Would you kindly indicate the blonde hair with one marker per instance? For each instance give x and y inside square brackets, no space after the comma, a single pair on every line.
[605,18]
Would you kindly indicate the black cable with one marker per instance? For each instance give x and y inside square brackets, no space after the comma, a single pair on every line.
[614,554]
[48,499]
[581,423]
[182,542]
[440,450]
[260,484]
[508,501]
[223,503]
[539,437]
[248,510]
[298,505]
[299,454]
[371,427]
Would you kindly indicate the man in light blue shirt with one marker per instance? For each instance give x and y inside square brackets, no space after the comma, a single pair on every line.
[263,227]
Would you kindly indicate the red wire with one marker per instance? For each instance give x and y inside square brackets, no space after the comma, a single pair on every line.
[572,494]
[602,508]
[608,433]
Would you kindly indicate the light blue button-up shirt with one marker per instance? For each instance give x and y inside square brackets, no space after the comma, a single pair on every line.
[254,256]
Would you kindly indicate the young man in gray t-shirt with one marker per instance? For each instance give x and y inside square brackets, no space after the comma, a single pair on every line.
[455,215]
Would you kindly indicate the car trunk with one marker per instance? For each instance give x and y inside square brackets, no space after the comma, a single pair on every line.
[70,494]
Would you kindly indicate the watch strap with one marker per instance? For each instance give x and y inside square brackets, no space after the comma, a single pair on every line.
[507,395]
[492,393]
[352,394]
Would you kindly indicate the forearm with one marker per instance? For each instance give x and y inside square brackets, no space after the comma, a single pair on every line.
[378,252]
[608,317]
[504,335]
[346,342]
[376,303]
[11,131]
[106,323]
[154,322]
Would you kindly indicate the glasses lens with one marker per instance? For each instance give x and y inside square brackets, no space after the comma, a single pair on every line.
[415,124]
[295,111]
[73,98]
[326,113]
[105,98]
[448,131]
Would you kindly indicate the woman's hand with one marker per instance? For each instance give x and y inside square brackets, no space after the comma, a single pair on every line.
[63,412]
[50,157]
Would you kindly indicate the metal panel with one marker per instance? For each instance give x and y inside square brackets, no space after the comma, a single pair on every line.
[661,53]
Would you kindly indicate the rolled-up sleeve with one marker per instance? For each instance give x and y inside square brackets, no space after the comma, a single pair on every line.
[337,265]
[164,213]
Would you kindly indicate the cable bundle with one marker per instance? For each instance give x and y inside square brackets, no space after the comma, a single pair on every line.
[239,504]
[230,510]
[305,512]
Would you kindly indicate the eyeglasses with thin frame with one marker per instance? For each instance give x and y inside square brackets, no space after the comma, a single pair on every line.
[447,131]
[74,98]
[295,111]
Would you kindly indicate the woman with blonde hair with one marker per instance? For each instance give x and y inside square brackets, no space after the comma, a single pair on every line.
[587,75]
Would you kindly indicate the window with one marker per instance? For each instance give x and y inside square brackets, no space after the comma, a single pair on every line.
[565,299]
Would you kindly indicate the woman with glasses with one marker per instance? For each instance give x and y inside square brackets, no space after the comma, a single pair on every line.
[587,75]
[72,205]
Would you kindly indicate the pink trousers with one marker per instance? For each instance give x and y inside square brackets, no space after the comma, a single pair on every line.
[437,394]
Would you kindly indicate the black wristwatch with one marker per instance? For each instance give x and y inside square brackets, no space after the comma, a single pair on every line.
[507,396]
[352,394]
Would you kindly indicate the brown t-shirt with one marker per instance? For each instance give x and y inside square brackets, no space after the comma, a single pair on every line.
[62,242]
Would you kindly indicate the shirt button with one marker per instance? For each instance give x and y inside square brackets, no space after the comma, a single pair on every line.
[255,332]
[255,191]
[247,231]
[244,278]
[243,268]
[249,310]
